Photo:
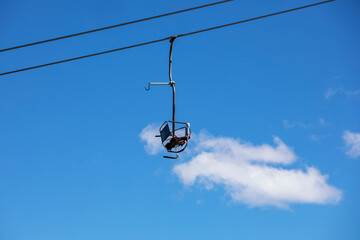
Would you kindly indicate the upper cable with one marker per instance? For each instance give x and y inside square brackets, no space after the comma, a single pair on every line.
[166,38]
[113,26]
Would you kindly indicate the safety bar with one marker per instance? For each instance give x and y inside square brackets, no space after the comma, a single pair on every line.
[172,157]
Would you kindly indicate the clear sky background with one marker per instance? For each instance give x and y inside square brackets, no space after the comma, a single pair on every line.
[73,165]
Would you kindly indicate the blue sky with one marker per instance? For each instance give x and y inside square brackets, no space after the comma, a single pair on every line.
[278,97]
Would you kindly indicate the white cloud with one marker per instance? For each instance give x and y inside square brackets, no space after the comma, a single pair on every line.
[317,137]
[199,202]
[252,174]
[294,124]
[332,91]
[246,151]
[352,141]
[152,144]
[247,176]
[352,93]
[349,93]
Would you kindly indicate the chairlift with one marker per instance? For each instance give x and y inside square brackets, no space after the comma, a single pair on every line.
[174,135]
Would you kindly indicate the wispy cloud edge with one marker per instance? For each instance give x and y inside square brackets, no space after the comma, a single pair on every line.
[352,142]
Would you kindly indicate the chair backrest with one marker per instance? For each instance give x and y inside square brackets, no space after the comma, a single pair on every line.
[165,132]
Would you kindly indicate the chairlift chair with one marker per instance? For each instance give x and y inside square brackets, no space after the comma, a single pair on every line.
[174,139]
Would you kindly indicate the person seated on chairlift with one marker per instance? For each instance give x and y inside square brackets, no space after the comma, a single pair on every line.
[176,142]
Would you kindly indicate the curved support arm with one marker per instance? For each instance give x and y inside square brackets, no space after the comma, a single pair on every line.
[172,39]
[172,83]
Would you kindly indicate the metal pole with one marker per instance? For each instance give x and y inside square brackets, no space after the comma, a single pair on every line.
[172,83]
